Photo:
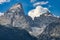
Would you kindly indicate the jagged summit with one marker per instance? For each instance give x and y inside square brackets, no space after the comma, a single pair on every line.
[14,16]
[17,5]
[16,9]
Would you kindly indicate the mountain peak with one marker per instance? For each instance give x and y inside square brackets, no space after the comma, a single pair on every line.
[16,9]
[17,5]
[14,13]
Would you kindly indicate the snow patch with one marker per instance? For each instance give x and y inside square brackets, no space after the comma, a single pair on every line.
[56,16]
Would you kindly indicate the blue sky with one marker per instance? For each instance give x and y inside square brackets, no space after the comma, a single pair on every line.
[52,5]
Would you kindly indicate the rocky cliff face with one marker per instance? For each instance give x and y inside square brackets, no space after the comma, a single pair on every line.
[14,17]
[40,24]
[38,27]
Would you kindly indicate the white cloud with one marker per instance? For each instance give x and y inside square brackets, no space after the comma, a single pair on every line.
[40,3]
[1,14]
[32,0]
[39,10]
[2,1]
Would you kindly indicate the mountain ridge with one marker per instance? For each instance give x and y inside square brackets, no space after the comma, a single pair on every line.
[15,17]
